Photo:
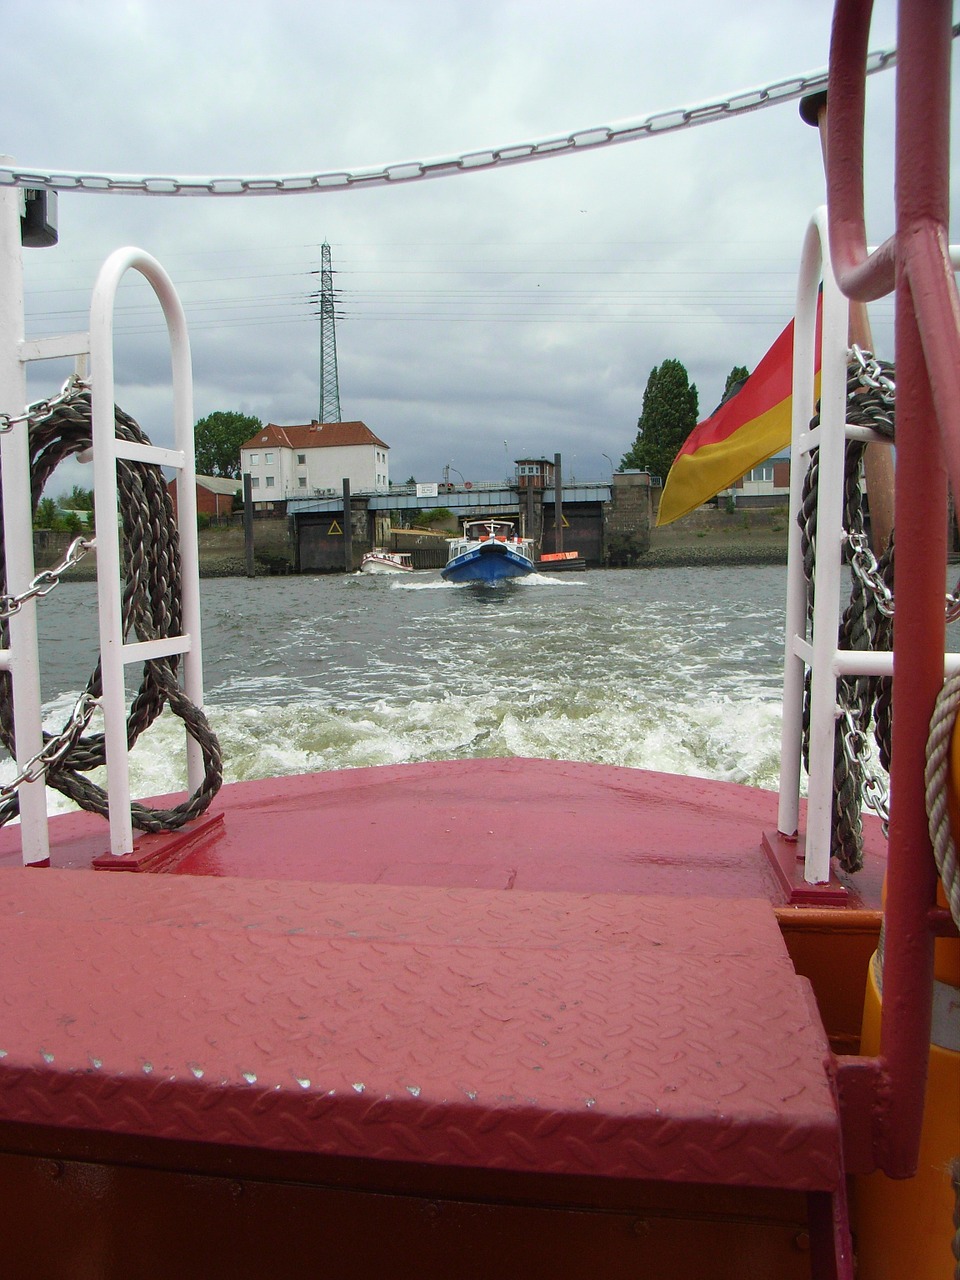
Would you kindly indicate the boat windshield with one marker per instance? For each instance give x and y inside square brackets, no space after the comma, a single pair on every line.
[477,529]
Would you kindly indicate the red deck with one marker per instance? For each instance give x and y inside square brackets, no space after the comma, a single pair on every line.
[485,824]
[329,965]
[628,1037]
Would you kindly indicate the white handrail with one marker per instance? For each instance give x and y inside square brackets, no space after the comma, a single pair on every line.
[819,649]
[115,653]
[822,649]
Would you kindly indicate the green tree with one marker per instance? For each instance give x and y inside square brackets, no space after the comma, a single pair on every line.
[218,438]
[668,416]
[79,499]
[735,378]
[45,515]
[436,515]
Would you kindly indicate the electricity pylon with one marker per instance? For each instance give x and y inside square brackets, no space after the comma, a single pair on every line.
[329,383]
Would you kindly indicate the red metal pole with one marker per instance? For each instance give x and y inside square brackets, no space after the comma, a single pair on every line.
[922,166]
[928,417]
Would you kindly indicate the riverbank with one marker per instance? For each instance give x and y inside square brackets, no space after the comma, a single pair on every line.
[710,536]
[705,537]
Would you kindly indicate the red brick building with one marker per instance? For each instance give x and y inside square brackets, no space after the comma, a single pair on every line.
[214,495]
[534,473]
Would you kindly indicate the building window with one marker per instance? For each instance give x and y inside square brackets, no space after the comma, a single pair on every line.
[302,481]
[269,482]
[254,482]
[268,459]
[301,459]
[254,459]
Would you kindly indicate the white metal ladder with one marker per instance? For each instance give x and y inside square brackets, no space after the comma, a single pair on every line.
[22,658]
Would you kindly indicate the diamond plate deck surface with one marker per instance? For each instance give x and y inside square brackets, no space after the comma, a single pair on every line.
[485,824]
[626,1036]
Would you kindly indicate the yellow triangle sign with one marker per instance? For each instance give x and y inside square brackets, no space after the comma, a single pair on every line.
[335,530]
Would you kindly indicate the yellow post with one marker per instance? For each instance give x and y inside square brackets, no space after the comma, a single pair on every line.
[904,1228]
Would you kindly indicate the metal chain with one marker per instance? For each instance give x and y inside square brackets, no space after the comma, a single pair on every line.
[47,579]
[866,622]
[867,568]
[875,374]
[864,564]
[589,139]
[41,409]
[56,748]
[876,793]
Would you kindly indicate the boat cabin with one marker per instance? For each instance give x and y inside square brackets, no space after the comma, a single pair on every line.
[481,530]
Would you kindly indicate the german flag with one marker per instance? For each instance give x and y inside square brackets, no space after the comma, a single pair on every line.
[741,432]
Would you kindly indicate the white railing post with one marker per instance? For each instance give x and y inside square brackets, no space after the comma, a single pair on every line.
[820,649]
[804,358]
[22,659]
[819,652]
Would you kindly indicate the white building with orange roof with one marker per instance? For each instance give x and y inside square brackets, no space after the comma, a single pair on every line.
[301,462]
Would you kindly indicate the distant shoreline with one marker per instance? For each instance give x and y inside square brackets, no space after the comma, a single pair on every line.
[695,557]
[680,557]
[702,539]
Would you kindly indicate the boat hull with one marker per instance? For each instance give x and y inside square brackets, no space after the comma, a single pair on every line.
[378,566]
[487,563]
[383,564]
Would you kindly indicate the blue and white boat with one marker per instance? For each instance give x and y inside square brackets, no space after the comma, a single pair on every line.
[487,551]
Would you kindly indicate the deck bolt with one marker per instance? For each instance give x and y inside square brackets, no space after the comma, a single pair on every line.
[801,1241]
[55,1168]
[640,1227]
[431,1211]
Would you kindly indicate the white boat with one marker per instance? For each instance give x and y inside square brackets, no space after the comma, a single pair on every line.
[381,561]
[487,551]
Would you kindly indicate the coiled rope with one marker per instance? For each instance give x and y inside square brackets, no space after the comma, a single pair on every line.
[151,610]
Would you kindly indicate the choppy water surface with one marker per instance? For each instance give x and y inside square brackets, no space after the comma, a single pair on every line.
[673,669]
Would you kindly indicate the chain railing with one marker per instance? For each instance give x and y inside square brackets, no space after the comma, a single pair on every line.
[397,174]
[40,409]
[46,579]
[55,749]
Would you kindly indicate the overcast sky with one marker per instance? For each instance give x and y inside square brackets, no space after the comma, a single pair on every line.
[502,314]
